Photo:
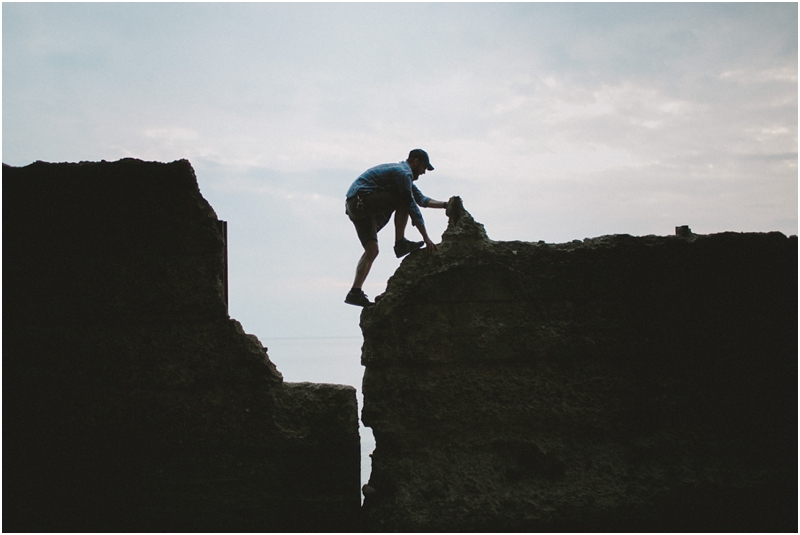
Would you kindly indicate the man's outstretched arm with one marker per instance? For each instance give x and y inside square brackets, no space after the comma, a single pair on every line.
[436,204]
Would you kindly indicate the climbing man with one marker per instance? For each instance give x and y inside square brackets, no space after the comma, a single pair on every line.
[373,197]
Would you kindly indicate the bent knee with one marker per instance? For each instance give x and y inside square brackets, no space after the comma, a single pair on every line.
[371,248]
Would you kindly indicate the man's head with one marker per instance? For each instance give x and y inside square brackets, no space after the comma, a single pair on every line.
[419,162]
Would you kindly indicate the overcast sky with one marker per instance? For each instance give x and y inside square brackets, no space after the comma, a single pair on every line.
[553,122]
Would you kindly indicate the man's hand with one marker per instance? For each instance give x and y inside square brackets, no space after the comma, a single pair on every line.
[430,247]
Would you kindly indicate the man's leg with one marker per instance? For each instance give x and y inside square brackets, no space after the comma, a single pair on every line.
[365,263]
[402,246]
[400,222]
[356,295]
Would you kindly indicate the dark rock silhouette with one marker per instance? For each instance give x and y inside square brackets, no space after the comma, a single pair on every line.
[618,383]
[131,401]
[612,384]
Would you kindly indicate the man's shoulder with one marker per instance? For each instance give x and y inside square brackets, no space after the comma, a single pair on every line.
[387,168]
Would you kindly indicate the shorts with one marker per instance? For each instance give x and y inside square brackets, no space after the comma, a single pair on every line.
[370,212]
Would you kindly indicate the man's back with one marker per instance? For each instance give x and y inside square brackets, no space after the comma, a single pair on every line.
[383,177]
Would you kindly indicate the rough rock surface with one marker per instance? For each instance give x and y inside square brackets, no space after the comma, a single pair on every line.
[617,383]
[131,401]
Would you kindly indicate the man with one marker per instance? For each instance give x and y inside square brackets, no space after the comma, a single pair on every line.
[373,197]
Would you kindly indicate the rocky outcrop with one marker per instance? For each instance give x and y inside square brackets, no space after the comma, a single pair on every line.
[131,401]
[617,383]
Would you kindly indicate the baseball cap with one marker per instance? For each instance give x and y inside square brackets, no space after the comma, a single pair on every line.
[422,155]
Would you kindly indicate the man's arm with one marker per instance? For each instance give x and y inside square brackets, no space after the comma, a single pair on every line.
[414,196]
[430,247]
[426,202]
[437,204]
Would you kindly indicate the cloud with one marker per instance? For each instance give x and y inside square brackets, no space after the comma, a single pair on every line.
[172,135]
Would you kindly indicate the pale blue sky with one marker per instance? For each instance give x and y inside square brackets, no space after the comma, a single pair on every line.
[552,121]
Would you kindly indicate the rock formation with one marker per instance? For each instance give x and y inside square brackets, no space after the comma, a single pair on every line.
[131,401]
[618,383]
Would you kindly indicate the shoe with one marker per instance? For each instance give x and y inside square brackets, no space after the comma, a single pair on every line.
[403,247]
[358,298]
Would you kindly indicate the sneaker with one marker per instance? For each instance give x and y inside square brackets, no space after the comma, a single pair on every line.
[403,247]
[357,298]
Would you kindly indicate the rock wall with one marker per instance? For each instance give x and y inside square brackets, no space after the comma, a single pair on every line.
[131,401]
[612,384]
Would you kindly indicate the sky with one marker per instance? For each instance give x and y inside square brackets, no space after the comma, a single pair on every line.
[553,122]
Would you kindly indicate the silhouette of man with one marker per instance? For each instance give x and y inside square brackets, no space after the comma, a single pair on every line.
[373,197]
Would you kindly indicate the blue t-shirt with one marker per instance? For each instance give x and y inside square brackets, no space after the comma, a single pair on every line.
[396,177]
